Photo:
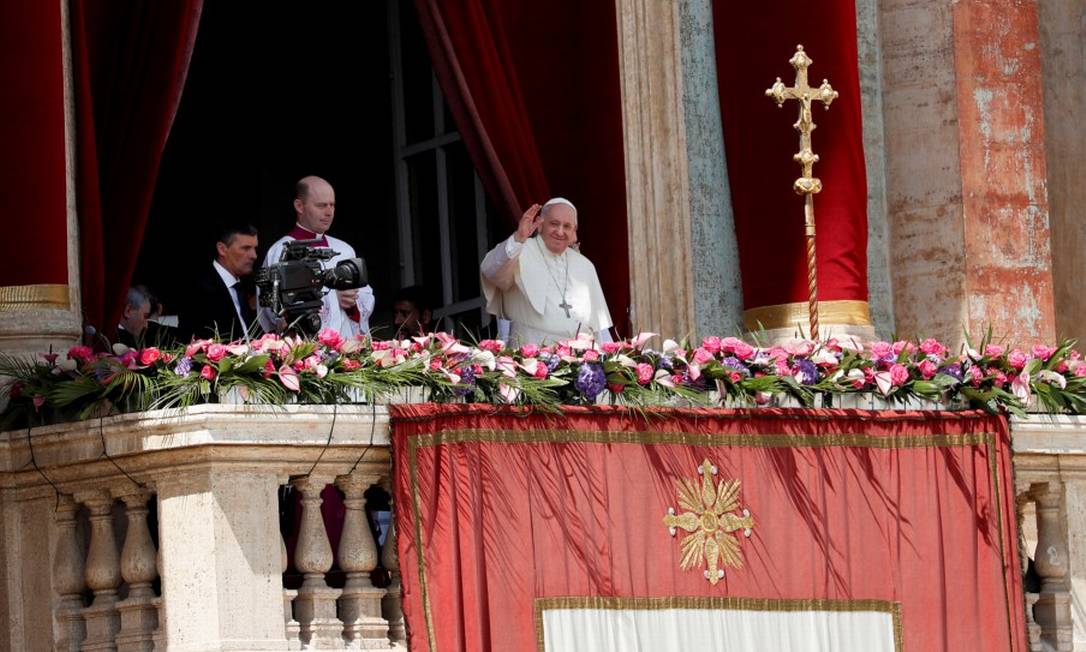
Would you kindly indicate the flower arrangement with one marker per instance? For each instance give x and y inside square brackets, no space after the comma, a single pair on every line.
[718,371]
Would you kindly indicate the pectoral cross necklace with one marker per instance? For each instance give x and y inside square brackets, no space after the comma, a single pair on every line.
[564,305]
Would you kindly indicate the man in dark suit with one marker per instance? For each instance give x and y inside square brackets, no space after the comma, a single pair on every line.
[219,303]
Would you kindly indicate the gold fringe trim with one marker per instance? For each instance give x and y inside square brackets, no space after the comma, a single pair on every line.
[29,297]
[787,315]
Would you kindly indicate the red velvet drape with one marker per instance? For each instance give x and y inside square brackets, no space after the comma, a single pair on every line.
[534,90]
[130,59]
[754,41]
[32,145]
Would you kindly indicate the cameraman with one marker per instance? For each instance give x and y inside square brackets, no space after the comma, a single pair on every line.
[346,311]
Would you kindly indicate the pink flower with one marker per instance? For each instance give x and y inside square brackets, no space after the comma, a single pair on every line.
[1062,367]
[743,351]
[1043,352]
[927,369]
[711,344]
[1017,359]
[976,376]
[39,401]
[932,346]
[902,345]
[591,355]
[735,376]
[798,347]
[881,350]
[494,346]
[611,347]
[529,350]
[899,375]
[540,371]
[702,355]
[289,378]
[150,355]
[1080,370]
[216,352]
[330,338]
[208,372]
[50,357]
[350,364]
[435,365]
[645,373]
[83,354]
[269,368]
[998,376]
[993,350]
[616,388]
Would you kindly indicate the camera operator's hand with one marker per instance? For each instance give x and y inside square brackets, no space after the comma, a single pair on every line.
[347,298]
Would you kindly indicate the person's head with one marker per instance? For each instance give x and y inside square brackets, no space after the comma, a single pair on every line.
[236,249]
[559,227]
[314,204]
[411,311]
[136,311]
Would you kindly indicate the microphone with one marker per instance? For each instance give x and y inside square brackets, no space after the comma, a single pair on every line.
[90,332]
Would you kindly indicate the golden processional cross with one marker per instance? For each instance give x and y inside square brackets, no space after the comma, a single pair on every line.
[806,185]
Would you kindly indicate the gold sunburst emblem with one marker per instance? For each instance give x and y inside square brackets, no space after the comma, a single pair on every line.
[712,520]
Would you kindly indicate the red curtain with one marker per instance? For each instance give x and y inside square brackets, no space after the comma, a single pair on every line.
[500,512]
[754,41]
[534,90]
[32,145]
[130,60]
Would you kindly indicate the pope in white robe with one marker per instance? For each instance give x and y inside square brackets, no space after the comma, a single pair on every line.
[543,286]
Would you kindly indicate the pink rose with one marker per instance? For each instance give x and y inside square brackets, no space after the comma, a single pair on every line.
[701,355]
[881,350]
[529,350]
[1080,370]
[993,350]
[645,373]
[743,351]
[902,345]
[149,356]
[611,347]
[899,375]
[976,376]
[540,371]
[1043,352]
[216,352]
[494,346]
[435,365]
[1017,359]
[932,346]
[711,344]
[616,388]
[998,376]
[927,369]
[735,376]
[269,368]
[731,345]
[81,353]
[591,355]
[330,338]
[349,364]
[1062,367]
[208,372]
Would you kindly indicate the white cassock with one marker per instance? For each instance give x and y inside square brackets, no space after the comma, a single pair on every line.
[332,314]
[534,288]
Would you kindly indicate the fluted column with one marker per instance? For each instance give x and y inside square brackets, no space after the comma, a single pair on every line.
[1053,608]
[360,605]
[293,629]
[103,573]
[139,616]
[68,578]
[392,603]
[315,606]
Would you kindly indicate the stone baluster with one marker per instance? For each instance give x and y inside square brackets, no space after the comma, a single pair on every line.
[392,604]
[68,578]
[293,629]
[360,606]
[1053,608]
[139,615]
[103,573]
[315,606]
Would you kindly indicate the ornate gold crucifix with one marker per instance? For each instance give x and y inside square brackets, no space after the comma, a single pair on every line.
[807,184]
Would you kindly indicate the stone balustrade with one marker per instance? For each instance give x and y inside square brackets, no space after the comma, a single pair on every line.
[161,531]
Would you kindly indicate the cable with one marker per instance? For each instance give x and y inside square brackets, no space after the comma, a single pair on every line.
[105,453]
[34,461]
[327,444]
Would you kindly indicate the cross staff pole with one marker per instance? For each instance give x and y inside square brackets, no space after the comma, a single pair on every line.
[807,184]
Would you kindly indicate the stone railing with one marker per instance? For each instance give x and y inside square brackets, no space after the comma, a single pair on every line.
[83,569]
[162,531]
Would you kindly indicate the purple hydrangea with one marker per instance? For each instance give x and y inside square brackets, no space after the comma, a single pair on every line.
[552,361]
[590,380]
[665,363]
[737,364]
[953,370]
[467,381]
[183,367]
[806,372]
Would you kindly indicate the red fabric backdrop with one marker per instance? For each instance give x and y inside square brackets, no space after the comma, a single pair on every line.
[34,248]
[754,41]
[130,59]
[496,509]
[534,90]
